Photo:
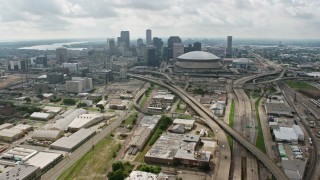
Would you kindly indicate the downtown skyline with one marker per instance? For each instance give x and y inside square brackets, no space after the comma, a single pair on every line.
[56,19]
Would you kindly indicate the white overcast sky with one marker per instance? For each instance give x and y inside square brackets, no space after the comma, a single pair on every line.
[49,19]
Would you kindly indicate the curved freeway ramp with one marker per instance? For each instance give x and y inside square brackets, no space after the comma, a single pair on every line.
[273,167]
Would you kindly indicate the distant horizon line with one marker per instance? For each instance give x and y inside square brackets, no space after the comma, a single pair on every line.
[234,38]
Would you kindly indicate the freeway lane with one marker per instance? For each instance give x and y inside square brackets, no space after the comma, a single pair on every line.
[201,110]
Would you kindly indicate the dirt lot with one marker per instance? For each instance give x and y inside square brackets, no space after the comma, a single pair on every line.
[4,82]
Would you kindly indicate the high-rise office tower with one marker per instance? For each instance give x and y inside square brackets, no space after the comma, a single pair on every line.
[178,49]
[125,37]
[148,37]
[61,55]
[229,47]
[111,46]
[152,58]
[139,42]
[197,46]
[171,41]
[157,42]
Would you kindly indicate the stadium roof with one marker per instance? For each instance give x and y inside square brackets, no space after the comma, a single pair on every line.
[198,55]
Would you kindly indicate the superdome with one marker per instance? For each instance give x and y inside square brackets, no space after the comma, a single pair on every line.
[198,61]
[198,55]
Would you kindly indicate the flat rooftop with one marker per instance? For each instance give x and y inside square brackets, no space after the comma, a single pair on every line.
[73,140]
[168,145]
[43,159]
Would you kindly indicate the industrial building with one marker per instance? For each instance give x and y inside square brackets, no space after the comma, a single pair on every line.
[66,118]
[198,62]
[73,141]
[243,63]
[47,135]
[117,104]
[19,154]
[85,120]
[290,135]
[278,109]
[79,85]
[177,148]
[5,126]
[188,123]
[40,116]
[22,172]
[14,132]
[143,132]
[164,96]
[44,160]
[136,175]
[52,110]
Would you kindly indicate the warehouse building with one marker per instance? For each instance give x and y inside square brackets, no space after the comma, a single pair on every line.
[177,148]
[5,126]
[10,135]
[45,160]
[188,123]
[22,172]
[278,109]
[135,175]
[67,118]
[117,104]
[72,142]
[85,120]
[243,63]
[47,135]
[19,154]
[14,132]
[286,134]
[142,133]
[52,110]
[40,116]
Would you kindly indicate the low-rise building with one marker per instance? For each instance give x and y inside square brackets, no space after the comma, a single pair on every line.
[73,141]
[136,175]
[44,160]
[168,150]
[188,123]
[22,172]
[117,104]
[40,116]
[48,135]
[85,120]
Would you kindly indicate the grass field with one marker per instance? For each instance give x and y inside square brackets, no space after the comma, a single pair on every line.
[130,119]
[260,140]
[299,84]
[94,164]
[231,120]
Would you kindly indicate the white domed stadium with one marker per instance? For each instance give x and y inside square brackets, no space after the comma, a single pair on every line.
[198,61]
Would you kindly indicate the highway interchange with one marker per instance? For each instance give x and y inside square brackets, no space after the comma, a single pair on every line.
[211,119]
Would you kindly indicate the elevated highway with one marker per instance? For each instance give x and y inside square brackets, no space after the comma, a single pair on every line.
[205,113]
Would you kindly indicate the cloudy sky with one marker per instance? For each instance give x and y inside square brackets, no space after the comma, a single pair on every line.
[48,19]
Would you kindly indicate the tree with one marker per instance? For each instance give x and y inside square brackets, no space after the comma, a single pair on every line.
[82,104]
[97,99]
[69,101]
[117,165]
[117,175]
[27,99]
[40,96]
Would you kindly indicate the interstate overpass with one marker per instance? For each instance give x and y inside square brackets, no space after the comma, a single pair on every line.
[204,112]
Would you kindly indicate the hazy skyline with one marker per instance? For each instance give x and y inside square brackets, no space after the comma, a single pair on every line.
[47,19]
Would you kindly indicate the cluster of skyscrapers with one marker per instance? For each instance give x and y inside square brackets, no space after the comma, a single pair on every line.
[152,51]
